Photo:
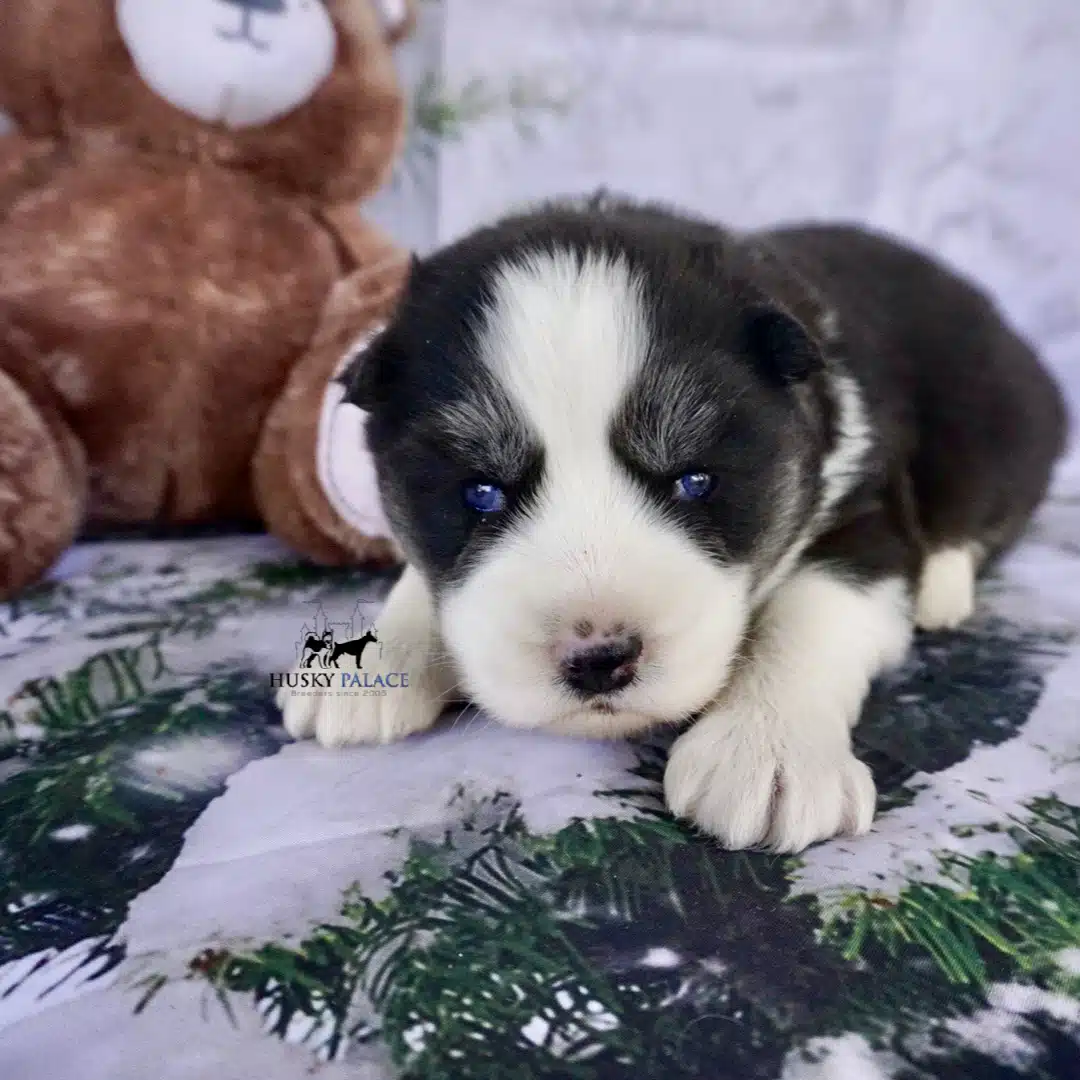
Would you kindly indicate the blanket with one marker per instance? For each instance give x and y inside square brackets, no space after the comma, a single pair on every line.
[186,894]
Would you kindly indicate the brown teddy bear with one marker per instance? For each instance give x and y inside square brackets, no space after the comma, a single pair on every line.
[183,268]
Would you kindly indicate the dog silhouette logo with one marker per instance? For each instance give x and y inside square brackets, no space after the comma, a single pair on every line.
[343,656]
[327,652]
[354,648]
[316,648]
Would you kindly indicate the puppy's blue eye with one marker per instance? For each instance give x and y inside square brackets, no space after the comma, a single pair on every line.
[695,485]
[485,498]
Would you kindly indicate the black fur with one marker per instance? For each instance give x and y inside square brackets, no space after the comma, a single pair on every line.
[963,410]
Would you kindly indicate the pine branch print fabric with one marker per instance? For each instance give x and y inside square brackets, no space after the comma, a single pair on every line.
[180,884]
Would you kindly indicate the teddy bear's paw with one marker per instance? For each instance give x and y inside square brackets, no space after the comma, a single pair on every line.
[42,487]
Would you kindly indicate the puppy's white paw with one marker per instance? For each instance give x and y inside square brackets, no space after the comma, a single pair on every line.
[946,595]
[728,777]
[343,718]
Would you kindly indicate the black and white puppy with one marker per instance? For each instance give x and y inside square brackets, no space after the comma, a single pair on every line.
[647,471]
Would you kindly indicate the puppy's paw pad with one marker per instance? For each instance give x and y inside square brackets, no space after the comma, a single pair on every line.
[946,594]
[746,795]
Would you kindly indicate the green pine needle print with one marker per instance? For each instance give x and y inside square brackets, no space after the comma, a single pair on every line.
[86,822]
[480,963]
[996,918]
[68,750]
[483,960]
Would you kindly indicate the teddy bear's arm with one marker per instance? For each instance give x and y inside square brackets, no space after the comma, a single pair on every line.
[360,243]
[43,477]
[290,471]
[26,94]
[25,164]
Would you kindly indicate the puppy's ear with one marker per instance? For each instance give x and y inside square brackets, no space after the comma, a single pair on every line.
[369,376]
[782,347]
[422,273]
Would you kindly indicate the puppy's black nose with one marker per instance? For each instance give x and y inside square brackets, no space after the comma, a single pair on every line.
[601,668]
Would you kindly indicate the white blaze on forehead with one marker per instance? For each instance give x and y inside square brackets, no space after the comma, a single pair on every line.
[565,338]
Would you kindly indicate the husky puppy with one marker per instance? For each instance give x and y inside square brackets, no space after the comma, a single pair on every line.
[646,470]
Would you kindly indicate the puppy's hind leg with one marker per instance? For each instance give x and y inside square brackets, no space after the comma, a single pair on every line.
[946,594]
[412,653]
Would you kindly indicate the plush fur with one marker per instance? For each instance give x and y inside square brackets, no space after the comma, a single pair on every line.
[176,294]
[722,477]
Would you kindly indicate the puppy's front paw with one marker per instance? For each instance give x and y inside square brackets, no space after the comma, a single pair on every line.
[729,777]
[343,718]
[386,709]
